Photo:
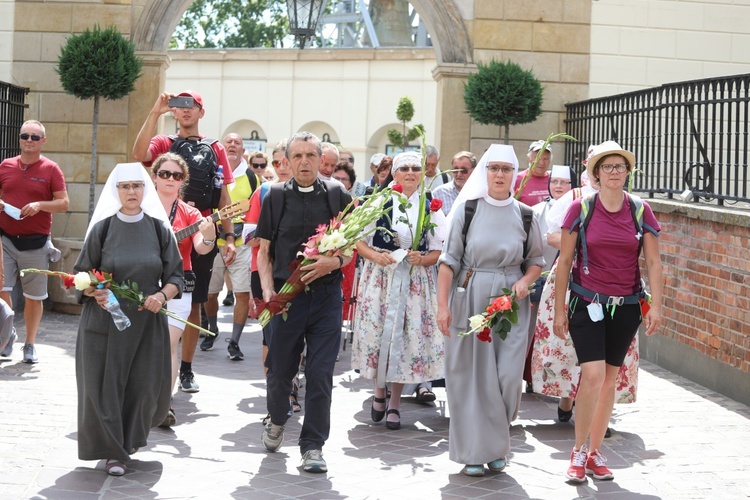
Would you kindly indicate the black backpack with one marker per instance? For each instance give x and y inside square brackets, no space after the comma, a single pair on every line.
[203,189]
[278,195]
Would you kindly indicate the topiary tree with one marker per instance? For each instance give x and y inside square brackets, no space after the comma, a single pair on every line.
[94,64]
[503,94]
[404,113]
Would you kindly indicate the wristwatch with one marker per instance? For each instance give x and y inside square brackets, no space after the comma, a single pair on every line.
[208,243]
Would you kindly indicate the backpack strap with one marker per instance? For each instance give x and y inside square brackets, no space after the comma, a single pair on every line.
[333,192]
[470,207]
[253,180]
[277,193]
[582,221]
[445,177]
[527,213]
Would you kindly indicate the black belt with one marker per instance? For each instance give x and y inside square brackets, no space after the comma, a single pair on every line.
[610,300]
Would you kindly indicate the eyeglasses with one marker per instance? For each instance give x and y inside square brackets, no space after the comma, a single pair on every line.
[135,186]
[494,169]
[276,163]
[166,174]
[33,137]
[559,182]
[341,179]
[259,165]
[464,171]
[414,169]
[609,167]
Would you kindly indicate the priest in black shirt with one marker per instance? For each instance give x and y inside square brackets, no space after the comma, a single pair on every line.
[314,317]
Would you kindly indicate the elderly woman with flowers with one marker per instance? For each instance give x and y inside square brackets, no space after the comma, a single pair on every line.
[396,336]
[483,373]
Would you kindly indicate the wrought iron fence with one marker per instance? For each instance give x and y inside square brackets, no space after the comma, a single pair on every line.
[12,104]
[690,138]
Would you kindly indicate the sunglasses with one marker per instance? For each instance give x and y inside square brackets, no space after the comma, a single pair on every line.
[464,171]
[166,174]
[259,165]
[276,163]
[413,169]
[33,137]
[135,186]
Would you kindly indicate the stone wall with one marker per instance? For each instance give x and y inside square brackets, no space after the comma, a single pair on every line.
[706,336]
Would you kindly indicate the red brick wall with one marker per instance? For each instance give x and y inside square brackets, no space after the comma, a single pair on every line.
[707,276]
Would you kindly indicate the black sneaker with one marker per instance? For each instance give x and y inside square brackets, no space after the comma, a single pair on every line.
[229,299]
[208,342]
[233,351]
[187,382]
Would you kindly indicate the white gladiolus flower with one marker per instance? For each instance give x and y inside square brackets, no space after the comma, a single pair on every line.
[82,281]
[332,241]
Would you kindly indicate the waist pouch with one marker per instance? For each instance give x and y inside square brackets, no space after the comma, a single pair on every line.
[28,241]
[188,282]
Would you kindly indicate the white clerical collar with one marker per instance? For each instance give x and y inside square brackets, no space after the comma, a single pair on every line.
[130,218]
[498,203]
[308,189]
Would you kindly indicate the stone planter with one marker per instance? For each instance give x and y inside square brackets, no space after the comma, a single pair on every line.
[64,300]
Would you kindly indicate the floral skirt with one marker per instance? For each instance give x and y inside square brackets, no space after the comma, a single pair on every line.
[414,345]
[554,365]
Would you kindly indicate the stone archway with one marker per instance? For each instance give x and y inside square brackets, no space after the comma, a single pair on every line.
[443,19]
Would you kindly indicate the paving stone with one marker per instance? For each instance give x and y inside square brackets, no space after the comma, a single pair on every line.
[680,440]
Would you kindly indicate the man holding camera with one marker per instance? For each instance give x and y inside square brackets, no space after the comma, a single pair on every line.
[207,166]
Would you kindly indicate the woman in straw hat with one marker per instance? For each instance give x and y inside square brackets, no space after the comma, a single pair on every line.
[604,312]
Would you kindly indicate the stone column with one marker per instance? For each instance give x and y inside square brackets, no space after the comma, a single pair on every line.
[147,88]
[453,123]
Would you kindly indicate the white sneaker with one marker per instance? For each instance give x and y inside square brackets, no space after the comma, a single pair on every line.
[273,436]
[8,349]
[312,461]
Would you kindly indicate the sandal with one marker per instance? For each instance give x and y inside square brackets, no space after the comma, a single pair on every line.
[296,407]
[377,415]
[425,395]
[114,467]
[394,426]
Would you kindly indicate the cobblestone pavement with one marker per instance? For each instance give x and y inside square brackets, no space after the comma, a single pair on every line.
[679,441]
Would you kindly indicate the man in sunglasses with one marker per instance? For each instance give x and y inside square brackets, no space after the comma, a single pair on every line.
[463,164]
[536,189]
[187,108]
[32,188]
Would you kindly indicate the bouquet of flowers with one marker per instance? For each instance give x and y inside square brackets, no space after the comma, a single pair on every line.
[336,239]
[126,290]
[500,315]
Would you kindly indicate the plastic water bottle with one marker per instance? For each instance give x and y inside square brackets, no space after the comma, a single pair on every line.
[113,307]
[219,178]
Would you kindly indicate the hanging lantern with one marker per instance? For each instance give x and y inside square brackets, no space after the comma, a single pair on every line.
[303,18]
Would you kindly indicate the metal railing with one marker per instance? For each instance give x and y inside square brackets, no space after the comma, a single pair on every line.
[12,105]
[690,139]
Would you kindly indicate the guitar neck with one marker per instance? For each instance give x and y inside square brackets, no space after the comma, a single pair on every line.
[193,228]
